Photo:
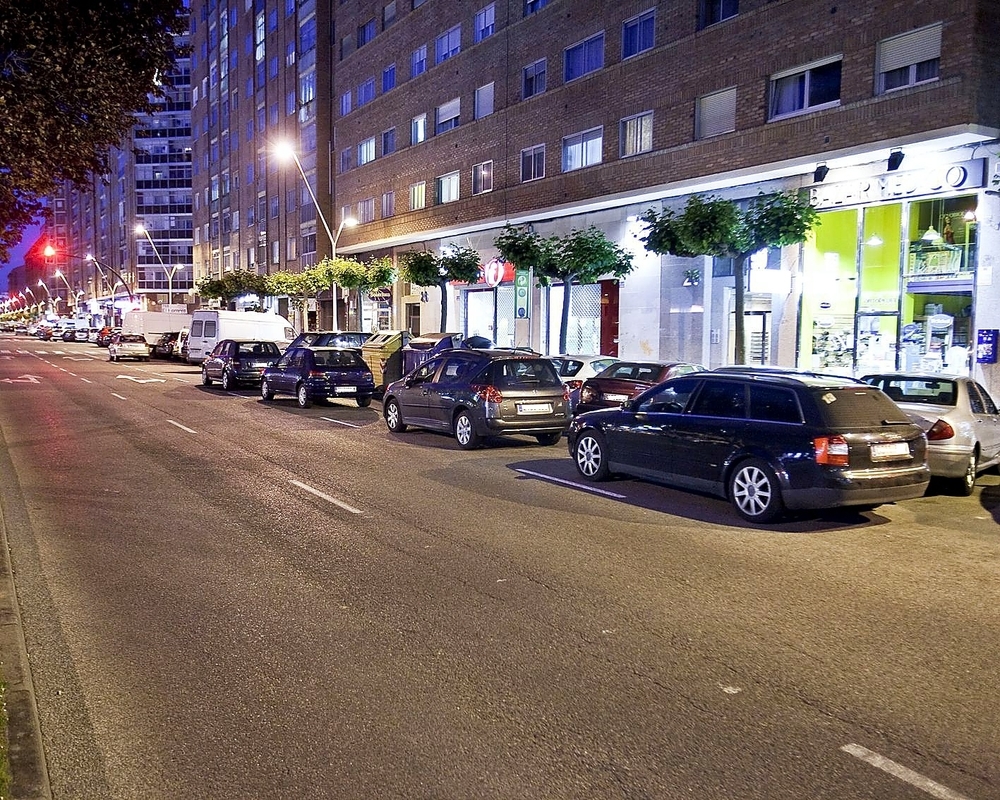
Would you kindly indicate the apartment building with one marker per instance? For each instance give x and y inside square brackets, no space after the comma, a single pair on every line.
[125,242]
[439,121]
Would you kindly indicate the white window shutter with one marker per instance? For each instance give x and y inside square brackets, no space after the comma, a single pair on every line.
[909,48]
[716,113]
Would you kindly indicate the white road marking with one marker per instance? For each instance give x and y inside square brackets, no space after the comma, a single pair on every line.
[118,396]
[182,427]
[932,788]
[23,379]
[326,497]
[574,484]
[341,422]
[141,380]
[85,380]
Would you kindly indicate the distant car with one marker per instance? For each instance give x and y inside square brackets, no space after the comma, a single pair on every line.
[958,415]
[128,345]
[575,369]
[236,361]
[354,339]
[623,380]
[766,442]
[478,394]
[319,373]
[81,334]
[105,334]
[165,345]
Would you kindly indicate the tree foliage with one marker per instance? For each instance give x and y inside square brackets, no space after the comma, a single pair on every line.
[232,285]
[581,256]
[721,228]
[427,269]
[72,75]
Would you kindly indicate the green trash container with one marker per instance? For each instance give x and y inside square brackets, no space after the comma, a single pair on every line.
[383,352]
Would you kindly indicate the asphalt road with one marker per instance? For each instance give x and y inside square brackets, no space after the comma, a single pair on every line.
[226,598]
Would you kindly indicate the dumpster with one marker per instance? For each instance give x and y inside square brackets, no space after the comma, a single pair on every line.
[384,354]
[426,345]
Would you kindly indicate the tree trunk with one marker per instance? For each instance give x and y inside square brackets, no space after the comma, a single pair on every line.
[564,323]
[444,305]
[739,272]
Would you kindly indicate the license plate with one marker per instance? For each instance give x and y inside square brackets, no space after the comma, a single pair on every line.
[534,408]
[616,398]
[882,452]
[346,389]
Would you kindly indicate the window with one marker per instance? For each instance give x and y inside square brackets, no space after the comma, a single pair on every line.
[584,58]
[275,204]
[345,103]
[721,399]
[582,149]
[366,32]
[345,160]
[533,163]
[388,204]
[275,252]
[366,92]
[307,35]
[418,195]
[713,11]
[366,151]
[388,141]
[715,113]
[388,78]
[485,23]
[482,177]
[388,14]
[366,210]
[531,6]
[290,246]
[446,116]
[637,34]
[806,88]
[418,129]
[448,44]
[908,59]
[418,3]
[637,134]
[418,61]
[447,188]
[484,101]
[533,79]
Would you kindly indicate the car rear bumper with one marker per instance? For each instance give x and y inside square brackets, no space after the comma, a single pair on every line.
[498,427]
[947,462]
[861,488]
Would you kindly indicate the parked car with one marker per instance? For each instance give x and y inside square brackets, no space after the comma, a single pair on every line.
[477,394]
[105,334]
[354,339]
[319,373]
[575,369]
[165,345]
[128,345]
[623,380]
[81,333]
[236,361]
[767,442]
[958,415]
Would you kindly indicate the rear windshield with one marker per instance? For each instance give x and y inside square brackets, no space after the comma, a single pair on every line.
[258,349]
[567,367]
[625,370]
[932,391]
[133,337]
[338,358]
[853,407]
[528,372]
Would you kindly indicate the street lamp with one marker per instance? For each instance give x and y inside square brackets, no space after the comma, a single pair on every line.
[141,231]
[69,289]
[50,251]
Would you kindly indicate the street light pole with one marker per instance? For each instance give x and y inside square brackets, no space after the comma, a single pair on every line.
[70,300]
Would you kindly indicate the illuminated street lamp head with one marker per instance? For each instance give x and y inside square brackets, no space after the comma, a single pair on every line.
[284,151]
[140,229]
[49,251]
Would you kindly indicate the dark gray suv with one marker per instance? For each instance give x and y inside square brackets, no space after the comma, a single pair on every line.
[477,394]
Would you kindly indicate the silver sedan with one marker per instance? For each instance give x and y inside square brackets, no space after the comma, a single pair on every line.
[958,415]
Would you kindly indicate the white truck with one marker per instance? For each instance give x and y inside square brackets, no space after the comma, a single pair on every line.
[209,326]
[153,324]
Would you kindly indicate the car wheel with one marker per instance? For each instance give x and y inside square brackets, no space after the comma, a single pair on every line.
[590,456]
[364,402]
[205,380]
[265,390]
[548,439]
[227,381]
[967,482]
[465,431]
[754,491]
[393,416]
[302,395]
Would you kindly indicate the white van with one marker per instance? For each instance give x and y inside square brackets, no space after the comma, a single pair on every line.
[209,326]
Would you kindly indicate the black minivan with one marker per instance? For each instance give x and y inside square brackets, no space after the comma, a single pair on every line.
[768,442]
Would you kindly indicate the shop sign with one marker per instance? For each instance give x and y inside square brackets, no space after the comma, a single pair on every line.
[382,295]
[963,176]
[986,346]
[521,295]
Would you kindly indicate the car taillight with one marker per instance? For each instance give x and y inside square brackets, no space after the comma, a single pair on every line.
[574,384]
[565,393]
[831,450]
[317,373]
[367,377]
[940,430]
[235,363]
[488,392]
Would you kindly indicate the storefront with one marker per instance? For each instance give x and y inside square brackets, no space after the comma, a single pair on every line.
[889,275]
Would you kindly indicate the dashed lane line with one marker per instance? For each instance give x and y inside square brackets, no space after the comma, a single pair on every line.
[341,422]
[574,484]
[932,788]
[339,503]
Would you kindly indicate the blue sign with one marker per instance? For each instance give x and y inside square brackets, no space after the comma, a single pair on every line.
[986,345]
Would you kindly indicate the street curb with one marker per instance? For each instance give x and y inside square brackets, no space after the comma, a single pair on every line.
[29,772]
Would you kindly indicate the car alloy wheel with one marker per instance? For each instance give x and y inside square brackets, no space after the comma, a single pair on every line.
[588,455]
[754,491]
[465,431]
[302,395]
[394,417]
[967,483]
[265,390]
[205,380]
[227,380]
